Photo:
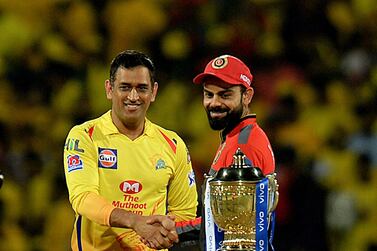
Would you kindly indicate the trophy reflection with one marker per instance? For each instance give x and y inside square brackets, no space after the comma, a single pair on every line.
[234,195]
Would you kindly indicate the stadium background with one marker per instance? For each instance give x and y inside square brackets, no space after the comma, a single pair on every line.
[315,72]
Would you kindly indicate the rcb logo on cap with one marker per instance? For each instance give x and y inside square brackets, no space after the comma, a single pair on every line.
[219,62]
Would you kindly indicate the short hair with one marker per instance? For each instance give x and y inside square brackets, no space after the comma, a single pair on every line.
[129,59]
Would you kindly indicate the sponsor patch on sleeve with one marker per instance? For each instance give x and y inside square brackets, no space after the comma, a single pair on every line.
[74,163]
[73,145]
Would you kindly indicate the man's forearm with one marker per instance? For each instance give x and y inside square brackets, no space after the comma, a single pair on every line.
[94,207]
[123,218]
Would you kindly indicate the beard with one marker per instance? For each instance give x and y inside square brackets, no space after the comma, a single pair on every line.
[229,120]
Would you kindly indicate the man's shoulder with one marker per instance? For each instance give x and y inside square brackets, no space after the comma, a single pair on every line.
[162,130]
[86,124]
[251,124]
[168,135]
[247,132]
[88,127]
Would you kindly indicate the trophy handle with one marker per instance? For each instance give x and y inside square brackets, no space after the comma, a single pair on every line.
[276,200]
[274,193]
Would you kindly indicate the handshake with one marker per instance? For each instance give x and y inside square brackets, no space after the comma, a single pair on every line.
[163,233]
[155,231]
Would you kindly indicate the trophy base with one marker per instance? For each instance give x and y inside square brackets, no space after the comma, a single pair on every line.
[237,246]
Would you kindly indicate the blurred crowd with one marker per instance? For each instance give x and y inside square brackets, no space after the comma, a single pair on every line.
[314,64]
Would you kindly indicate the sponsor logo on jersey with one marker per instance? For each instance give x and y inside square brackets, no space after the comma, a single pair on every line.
[107,158]
[130,187]
[73,145]
[191,178]
[160,164]
[74,163]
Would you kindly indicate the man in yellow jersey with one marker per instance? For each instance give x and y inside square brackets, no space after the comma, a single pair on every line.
[130,181]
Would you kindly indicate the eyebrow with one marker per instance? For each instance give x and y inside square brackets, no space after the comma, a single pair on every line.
[138,84]
[220,92]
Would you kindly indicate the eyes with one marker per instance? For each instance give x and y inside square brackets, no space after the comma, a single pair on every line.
[222,95]
[141,88]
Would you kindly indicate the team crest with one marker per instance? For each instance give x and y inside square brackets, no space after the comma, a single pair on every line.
[160,164]
[107,158]
[220,62]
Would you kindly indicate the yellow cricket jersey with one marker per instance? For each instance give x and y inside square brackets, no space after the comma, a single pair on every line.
[149,175]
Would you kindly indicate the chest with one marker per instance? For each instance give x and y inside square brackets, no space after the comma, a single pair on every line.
[145,163]
[227,149]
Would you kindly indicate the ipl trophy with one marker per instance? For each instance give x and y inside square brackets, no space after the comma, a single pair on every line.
[242,200]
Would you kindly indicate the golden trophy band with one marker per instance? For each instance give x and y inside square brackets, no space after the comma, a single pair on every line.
[234,196]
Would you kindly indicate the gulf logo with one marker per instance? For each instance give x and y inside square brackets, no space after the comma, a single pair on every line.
[130,186]
[107,158]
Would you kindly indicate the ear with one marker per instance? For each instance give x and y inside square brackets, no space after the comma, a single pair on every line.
[248,96]
[108,89]
[154,91]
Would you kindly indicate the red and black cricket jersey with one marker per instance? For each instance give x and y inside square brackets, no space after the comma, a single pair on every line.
[253,142]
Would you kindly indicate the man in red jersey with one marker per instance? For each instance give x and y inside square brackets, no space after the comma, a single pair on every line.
[227,94]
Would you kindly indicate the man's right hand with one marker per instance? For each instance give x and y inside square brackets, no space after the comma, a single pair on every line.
[156,231]
[165,228]
[168,229]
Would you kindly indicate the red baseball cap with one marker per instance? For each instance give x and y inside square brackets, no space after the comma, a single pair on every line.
[229,69]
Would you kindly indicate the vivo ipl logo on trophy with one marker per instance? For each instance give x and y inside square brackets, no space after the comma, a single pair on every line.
[242,200]
[261,220]
[262,212]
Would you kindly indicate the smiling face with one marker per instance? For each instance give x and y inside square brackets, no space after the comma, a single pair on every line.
[131,93]
[225,104]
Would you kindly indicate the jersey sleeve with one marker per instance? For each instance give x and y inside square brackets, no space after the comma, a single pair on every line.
[182,193]
[81,172]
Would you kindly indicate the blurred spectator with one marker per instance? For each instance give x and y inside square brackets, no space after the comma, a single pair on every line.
[364,141]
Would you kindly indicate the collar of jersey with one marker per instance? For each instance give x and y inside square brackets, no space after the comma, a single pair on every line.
[251,118]
[109,127]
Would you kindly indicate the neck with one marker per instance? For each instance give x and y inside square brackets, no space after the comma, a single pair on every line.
[245,112]
[131,130]
[132,133]
[234,123]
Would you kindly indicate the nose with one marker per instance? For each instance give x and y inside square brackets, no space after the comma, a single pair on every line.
[133,95]
[214,101]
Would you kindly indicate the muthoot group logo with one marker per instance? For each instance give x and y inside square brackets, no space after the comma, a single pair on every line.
[130,187]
